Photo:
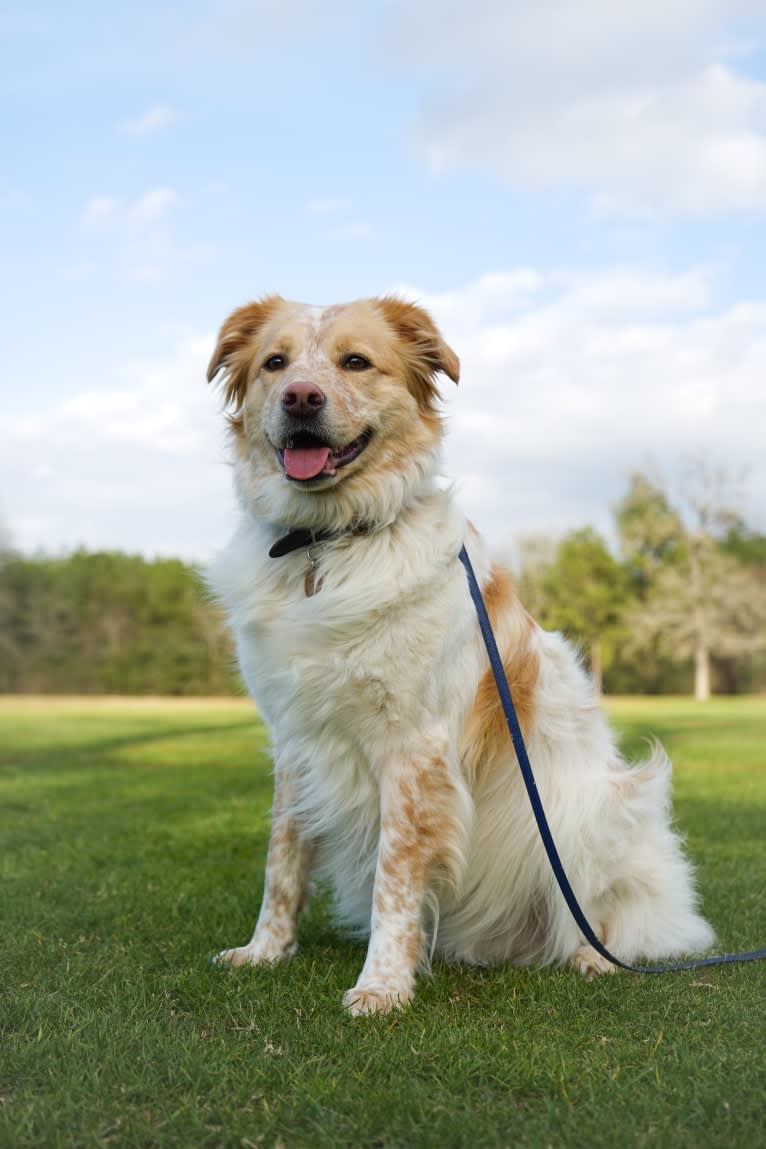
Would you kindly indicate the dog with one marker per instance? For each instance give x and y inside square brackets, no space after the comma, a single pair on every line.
[395,779]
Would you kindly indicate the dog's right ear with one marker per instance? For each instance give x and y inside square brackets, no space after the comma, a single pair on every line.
[232,349]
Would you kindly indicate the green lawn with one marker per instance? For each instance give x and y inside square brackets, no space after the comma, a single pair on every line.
[132,841]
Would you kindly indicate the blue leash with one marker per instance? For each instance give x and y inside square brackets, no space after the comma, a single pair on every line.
[537,807]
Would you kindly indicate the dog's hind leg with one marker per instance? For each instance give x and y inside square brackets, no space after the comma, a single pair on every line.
[286,888]
[590,963]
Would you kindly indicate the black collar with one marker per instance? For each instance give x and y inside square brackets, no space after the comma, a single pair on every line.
[301,538]
[297,540]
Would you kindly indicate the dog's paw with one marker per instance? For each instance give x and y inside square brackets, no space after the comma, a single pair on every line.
[375,998]
[254,953]
[590,963]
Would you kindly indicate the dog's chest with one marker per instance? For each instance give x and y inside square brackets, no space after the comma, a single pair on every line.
[377,653]
[320,670]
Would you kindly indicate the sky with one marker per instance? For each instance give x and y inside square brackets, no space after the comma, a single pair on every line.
[577,191]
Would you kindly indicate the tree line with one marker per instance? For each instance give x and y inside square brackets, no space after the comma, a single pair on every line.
[678,603]
[681,607]
[107,622]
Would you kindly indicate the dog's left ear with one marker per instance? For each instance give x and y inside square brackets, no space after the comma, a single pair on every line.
[427,353]
[233,348]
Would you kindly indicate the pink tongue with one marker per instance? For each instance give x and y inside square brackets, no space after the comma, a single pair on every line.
[305,462]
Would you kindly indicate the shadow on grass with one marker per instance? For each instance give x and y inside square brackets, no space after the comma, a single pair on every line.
[85,754]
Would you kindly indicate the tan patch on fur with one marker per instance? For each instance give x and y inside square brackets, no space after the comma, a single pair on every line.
[235,348]
[425,350]
[418,832]
[286,888]
[426,812]
[415,835]
[486,736]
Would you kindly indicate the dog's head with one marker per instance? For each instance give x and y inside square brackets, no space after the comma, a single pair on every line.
[333,410]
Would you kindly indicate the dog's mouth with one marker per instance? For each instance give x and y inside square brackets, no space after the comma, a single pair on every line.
[306,457]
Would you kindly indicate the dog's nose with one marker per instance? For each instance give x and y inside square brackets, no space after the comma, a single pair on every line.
[302,399]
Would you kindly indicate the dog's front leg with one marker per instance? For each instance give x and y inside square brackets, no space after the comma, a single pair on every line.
[423,823]
[286,887]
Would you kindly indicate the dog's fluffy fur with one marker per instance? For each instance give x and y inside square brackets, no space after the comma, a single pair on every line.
[395,778]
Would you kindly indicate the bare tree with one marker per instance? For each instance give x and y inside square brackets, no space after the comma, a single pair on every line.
[698,600]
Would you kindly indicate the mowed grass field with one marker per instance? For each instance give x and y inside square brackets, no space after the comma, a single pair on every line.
[132,843]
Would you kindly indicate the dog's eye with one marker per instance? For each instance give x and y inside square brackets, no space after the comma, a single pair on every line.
[275,363]
[356,363]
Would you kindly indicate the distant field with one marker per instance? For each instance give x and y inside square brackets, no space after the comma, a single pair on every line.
[132,842]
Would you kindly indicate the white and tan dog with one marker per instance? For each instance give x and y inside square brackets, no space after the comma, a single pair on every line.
[395,777]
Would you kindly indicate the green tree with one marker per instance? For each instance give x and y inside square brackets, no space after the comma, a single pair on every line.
[584,592]
[745,545]
[8,649]
[110,622]
[534,554]
[649,529]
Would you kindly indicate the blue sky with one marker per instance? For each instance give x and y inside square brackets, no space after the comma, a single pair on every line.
[577,191]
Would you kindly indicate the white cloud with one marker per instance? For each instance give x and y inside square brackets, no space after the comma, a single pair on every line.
[107,211]
[232,27]
[153,120]
[569,381]
[354,229]
[594,374]
[641,105]
[137,463]
[153,205]
[135,234]
[100,211]
[336,212]
[331,205]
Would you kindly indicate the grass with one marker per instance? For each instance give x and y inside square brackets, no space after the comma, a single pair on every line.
[132,841]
